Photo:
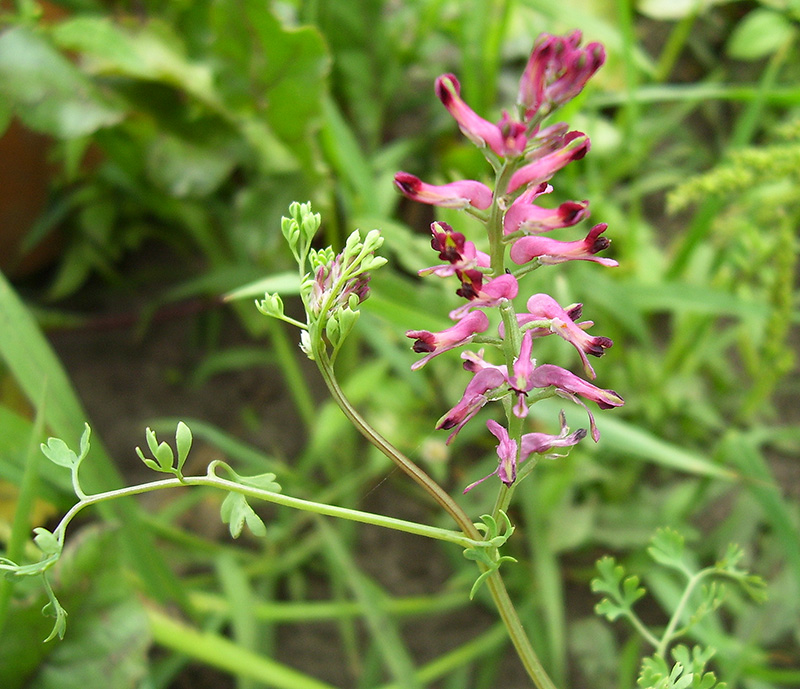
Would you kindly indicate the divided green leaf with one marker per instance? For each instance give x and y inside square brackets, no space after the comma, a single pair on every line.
[622,591]
[236,512]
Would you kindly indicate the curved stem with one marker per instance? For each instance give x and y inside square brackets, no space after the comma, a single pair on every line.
[497,589]
[410,468]
[669,632]
[213,481]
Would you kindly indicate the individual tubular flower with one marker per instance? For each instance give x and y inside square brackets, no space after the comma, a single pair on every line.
[454,248]
[570,386]
[459,195]
[551,251]
[548,374]
[543,306]
[493,293]
[556,72]
[525,216]
[505,139]
[475,396]
[459,334]
[530,443]
[575,146]
[544,443]
[520,379]
[507,454]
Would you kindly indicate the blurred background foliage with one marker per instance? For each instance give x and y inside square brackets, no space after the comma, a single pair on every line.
[149,150]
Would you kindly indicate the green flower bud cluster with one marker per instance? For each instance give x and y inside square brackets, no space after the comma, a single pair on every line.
[332,285]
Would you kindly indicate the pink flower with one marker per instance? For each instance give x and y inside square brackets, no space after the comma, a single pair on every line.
[455,336]
[543,443]
[458,195]
[548,374]
[493,293]
[507,454]
[543,306]
[551,251]
[506,138]
[453,247]
[557,71]
[530,443]
[520,379]
[570,386]
[575,145]
[472,401]
[524,216]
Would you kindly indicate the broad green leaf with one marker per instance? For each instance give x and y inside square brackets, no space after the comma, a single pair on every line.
[286,67]
[760,34]
[293,76]
[151,52]
[48,93]
[186,169]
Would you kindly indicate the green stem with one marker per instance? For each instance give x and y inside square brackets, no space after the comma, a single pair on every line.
[516,632]
[418,475]
[213,481]
[503,499]
[496,586]
[669,632]
[494,225]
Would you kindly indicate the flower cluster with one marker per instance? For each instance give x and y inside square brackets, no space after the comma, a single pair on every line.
[525,155]
[333,286]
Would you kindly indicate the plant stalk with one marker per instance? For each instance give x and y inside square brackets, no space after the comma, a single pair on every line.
[495,583]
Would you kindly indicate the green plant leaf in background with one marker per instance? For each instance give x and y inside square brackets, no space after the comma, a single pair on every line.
[35,367]
[107,634]
[273,75]
[47,92]
[761,33]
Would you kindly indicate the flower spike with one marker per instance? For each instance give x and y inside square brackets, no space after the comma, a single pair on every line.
[524,156]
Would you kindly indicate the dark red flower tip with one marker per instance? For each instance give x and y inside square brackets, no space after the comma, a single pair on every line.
[407,183]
